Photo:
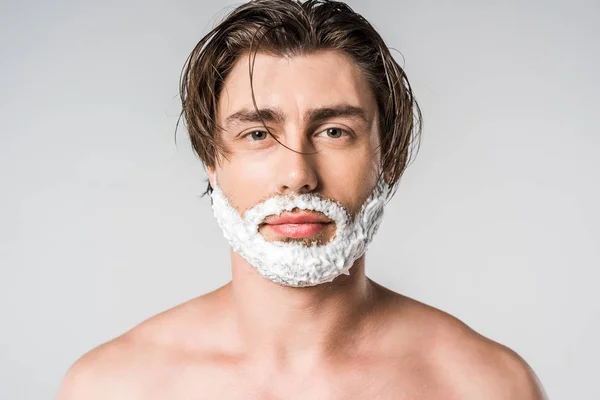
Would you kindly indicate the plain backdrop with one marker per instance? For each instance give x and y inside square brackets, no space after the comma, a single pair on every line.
[102,223]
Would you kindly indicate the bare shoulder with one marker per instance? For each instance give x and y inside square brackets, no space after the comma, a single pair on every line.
[479,367]
[464,362]
[97,374]
[137,362]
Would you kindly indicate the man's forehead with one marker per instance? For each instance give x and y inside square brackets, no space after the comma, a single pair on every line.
[296,85]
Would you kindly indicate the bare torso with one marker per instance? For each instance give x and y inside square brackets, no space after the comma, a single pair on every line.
[404,350]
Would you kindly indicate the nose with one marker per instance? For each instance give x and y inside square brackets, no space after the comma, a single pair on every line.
[296,171]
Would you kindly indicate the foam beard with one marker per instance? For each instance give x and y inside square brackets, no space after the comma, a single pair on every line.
[294,264]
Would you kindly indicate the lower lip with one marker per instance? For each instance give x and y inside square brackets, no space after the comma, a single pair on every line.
[298,230]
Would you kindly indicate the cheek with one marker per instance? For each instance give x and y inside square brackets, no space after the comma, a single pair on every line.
[351,176]
[242,182]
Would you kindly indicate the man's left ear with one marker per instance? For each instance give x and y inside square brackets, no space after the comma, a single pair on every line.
[387,177]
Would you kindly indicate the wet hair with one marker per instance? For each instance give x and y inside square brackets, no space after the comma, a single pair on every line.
[293,28]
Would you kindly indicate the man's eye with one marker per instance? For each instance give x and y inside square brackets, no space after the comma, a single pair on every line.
[257,135]
[334,133]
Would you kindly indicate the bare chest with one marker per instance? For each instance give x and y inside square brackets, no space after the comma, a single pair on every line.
[351,383]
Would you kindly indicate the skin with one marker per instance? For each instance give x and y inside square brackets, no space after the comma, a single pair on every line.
[254,339]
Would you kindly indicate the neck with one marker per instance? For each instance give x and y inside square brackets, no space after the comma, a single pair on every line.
[286,322]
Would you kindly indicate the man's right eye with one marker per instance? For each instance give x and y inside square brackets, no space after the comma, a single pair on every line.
[256,135]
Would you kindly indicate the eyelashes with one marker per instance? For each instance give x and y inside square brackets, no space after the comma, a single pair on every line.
[333,133]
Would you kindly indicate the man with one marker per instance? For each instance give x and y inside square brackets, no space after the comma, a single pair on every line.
[305,123]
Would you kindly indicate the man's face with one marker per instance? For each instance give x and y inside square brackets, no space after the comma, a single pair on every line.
[319,102]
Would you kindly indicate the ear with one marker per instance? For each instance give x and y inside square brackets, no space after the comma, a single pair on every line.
[387,176]
[211,175]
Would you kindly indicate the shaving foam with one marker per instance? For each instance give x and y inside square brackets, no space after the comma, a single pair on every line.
[295,264]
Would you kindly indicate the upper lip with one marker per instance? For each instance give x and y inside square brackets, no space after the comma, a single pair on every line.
[300,217]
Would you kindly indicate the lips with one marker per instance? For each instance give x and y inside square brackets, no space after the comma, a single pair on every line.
[297,224]
[301,217]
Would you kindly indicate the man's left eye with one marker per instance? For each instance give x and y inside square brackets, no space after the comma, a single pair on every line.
[334,133]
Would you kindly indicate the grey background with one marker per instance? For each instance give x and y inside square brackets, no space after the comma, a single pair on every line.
[497,221]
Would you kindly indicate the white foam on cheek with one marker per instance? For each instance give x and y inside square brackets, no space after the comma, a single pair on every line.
[294,264]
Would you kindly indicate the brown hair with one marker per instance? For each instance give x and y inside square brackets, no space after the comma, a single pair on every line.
[289,27]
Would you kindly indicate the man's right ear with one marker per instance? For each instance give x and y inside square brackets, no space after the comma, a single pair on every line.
[211,176]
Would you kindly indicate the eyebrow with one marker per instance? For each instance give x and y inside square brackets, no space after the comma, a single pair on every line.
[312,116]
[341,110]
[263,114]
